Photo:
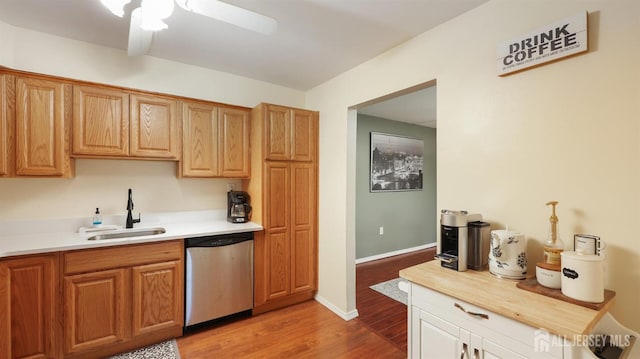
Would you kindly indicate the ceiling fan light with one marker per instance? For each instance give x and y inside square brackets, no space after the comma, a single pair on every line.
[150,23]
[139,39]
[231,14]
[159,9]
[185,4]
[115,6]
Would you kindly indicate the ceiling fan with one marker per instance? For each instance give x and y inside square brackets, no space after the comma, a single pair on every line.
[148,18]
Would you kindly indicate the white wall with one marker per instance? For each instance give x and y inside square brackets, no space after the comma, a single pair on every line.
[104,183]
[566,131]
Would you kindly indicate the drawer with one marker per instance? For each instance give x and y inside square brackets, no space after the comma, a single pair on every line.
[490,325]
[96,259]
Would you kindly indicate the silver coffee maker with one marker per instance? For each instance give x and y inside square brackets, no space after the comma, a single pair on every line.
[454,238]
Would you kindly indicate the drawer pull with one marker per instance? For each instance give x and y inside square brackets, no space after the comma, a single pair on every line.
[480,315]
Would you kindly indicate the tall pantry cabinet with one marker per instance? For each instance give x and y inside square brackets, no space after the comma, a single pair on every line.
[284,196]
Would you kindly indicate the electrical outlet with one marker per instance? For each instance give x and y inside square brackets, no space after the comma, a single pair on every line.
[381,230]
[231,187]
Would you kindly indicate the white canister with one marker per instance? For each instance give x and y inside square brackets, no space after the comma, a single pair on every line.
[583,276]
[508,254]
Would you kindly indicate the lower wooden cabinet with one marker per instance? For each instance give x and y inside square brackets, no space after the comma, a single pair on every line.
[157,300]
[94,310]
[286,252]
[91,303]
[29,307]
[120,298]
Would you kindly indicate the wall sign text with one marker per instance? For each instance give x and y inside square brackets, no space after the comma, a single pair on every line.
[552,42]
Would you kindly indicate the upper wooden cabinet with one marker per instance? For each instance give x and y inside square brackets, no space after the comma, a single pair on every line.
[7,133]
[199,140]
[100,121]
[114,123]
[43,113]
[289,133]
[155,131]
[215,141]
[304,134]
[29,288]
[233,144]
[46,121]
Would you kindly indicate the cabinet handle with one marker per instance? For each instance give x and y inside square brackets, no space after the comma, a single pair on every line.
[480,315]
[464,351]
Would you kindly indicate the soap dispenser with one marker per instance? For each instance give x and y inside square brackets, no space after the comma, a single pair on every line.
[554,245]
[97,218]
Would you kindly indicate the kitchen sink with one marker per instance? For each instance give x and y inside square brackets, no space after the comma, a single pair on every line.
[128,233]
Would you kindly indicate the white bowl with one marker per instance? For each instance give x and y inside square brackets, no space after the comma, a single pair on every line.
[548,278]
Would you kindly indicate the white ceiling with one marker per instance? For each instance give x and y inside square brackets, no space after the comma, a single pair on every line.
[418,107]
[315,41]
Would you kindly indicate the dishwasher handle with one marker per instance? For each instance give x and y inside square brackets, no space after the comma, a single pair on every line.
[218,241]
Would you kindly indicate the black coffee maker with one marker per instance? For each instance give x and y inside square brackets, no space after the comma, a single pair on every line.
[238,208]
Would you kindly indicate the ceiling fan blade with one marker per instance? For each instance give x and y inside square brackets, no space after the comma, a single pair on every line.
[139,39]
[231,14]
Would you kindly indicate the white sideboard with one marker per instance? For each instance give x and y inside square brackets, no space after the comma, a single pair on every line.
[476,315]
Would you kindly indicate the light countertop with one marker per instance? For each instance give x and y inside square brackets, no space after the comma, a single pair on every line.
[501,296]
[32,237]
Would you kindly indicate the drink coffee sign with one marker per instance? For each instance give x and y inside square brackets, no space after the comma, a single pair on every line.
[561,39]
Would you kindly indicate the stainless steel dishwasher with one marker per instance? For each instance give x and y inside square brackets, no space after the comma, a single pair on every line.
[218,277]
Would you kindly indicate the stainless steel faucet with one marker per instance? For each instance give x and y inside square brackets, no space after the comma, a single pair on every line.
[130,220]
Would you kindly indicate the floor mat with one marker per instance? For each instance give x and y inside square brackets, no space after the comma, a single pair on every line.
[164,350]
[390,289]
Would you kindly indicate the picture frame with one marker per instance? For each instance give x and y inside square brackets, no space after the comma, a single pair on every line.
[397,163]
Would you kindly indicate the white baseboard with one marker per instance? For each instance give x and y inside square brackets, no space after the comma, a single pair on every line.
[342,314]
[395,253]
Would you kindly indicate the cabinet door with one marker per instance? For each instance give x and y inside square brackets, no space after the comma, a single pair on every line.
[28,305]
[234,142]
[100,121]
[7,115]
[277,133]
[95,307]
[435,338]
[42,125]
[277,234]
[491,350]
[303,231]
[157,297]
[154,127]
[200,140]
[304,135]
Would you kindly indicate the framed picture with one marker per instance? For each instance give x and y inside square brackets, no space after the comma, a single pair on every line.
[396,163]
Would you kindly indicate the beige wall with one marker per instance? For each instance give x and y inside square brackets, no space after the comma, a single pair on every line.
[104,183]
[566,131]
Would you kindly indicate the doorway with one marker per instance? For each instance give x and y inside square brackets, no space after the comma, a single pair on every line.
[392,229]
[398,220]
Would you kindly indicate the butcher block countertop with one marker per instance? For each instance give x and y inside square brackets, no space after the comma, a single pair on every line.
[501,296]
